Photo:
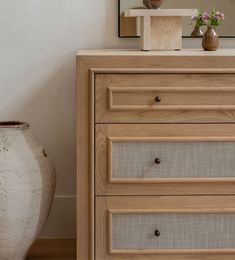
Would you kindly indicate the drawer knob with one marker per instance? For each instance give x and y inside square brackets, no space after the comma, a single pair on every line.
[157,161]
[157,233]
[158,99]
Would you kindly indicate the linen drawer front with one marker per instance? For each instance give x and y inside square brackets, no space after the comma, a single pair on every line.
[165,159]
[165,226]
[152,160]
[172,231]
[168,97]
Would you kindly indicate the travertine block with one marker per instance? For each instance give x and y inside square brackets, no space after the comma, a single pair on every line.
[161,29]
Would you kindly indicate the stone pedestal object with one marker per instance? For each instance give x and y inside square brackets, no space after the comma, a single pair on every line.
[27,185]
[161,29]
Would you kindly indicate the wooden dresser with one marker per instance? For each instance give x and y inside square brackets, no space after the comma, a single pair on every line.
[156,155]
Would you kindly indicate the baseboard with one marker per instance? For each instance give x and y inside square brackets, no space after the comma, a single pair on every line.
[49,249]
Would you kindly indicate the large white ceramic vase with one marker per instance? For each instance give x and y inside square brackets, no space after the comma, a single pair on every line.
[27,185]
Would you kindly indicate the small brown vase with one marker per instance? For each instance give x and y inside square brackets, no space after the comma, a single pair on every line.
[153,4]
[210,40]
[197,32]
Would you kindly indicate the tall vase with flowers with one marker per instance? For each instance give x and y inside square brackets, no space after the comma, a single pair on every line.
[210,40]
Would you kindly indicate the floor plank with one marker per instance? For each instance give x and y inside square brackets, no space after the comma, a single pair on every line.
[49,249]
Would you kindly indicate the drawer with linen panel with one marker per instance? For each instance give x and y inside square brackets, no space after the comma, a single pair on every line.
[178,227]
[165,97]
[165,159]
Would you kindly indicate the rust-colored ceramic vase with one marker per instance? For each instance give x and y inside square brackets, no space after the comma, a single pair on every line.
[197,32]
[153,4]
[210,40]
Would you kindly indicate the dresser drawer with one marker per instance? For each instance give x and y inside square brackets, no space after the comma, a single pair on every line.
[152,159]
[164,97]
[165,226]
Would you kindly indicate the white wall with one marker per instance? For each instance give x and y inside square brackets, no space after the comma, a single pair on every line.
[38,43]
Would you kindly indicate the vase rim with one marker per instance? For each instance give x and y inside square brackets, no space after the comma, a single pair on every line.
[14,125]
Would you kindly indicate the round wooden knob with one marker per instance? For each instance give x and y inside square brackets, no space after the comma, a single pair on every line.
[157,233]
[158,99]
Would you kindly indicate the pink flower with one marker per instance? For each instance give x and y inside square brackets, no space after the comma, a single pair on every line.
[206,17]
[220,15]
[194,18]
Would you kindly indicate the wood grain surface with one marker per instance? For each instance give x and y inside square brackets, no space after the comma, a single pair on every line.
[49,249]
[90,63]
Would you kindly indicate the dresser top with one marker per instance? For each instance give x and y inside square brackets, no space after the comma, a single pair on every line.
[135,52]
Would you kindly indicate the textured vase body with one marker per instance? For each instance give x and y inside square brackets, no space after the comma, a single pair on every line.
[27,185]
[210,40]
[197,32]
[153,4]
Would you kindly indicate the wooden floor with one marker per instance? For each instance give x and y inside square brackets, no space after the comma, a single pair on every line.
[49,249]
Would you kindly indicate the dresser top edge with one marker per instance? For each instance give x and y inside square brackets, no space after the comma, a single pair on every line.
[135,52]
